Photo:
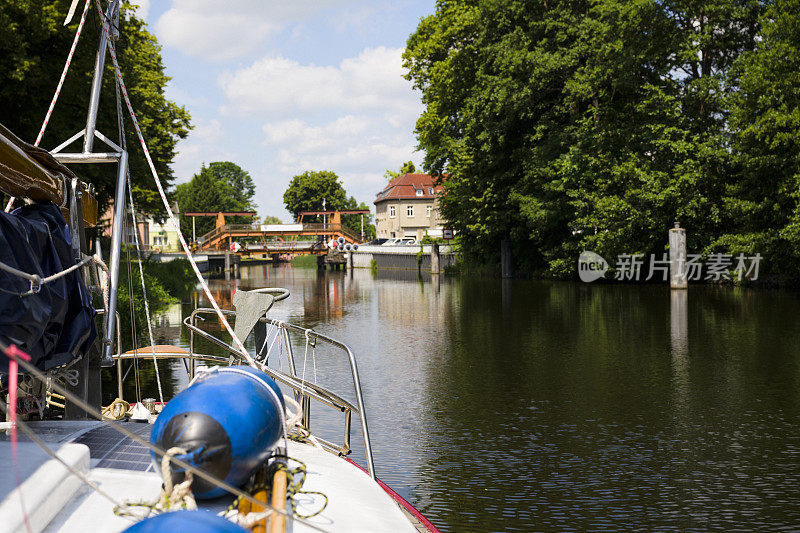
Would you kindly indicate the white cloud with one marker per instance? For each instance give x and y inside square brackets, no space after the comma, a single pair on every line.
[355,118]
[142,8]
[308,139]
[358,148]
[202,145]
[220,31]
[278,86]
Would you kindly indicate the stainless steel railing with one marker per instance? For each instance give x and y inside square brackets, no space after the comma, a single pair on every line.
[304,390]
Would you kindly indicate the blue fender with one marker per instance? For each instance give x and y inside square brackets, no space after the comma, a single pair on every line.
[229,422]
[194,521]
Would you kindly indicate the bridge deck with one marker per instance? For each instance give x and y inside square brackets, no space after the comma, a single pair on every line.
[217,237]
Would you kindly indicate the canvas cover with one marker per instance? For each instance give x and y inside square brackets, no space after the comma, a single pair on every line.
[56,324]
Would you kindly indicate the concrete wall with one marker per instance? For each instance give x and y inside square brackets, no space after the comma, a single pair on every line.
[401,257]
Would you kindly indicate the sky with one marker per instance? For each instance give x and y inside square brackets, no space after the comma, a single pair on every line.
[283,87]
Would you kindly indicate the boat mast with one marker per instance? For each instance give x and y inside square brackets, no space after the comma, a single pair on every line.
[119,156]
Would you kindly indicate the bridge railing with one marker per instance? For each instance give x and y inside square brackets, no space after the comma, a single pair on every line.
[332,228]
[317,228]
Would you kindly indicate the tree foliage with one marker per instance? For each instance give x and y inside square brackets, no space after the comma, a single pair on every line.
[220,186]
[406,168]
[33,46]
[317,190]
[314,191]
[595,124]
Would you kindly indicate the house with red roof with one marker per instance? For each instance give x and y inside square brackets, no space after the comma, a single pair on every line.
[408,207]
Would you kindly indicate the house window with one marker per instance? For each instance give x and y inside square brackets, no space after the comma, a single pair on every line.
[430,191]
[159,241]
[418,191]
[392,213]
[410,211]
[428,209]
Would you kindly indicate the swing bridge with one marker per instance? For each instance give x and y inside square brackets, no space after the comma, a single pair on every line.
[298,238]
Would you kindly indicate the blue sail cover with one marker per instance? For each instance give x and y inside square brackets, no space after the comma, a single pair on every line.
[56,324]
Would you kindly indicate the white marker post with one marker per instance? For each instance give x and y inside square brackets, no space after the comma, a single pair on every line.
[677,258]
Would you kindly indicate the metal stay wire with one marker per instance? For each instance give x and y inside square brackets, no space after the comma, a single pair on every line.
[118,73]
[121,82]
[14,354]
[124,144]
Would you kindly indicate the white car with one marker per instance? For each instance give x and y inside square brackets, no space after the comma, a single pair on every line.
[400,241]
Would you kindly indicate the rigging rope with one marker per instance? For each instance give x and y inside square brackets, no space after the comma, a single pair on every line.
[58,87]
[144,295]
[63,74]
[132,311]
[118,74]
[37,281]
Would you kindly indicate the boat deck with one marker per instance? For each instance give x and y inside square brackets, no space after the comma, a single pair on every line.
[56,500]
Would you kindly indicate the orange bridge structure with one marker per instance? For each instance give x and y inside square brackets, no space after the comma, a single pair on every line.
[279,238]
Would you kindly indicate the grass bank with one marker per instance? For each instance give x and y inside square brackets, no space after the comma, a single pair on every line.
[304,261]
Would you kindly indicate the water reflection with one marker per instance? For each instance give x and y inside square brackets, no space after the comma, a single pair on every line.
[512,405]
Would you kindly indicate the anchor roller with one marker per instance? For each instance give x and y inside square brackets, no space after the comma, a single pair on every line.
[229,422]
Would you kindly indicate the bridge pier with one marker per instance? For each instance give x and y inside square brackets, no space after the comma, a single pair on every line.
[321,262]
[227,266]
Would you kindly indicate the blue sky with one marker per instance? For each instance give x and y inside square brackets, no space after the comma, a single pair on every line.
[284,87]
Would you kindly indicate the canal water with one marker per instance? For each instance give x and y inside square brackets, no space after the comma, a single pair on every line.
[531,406]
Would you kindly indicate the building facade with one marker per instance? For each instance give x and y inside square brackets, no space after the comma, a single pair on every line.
[153,236]
[161,236]
[408,207]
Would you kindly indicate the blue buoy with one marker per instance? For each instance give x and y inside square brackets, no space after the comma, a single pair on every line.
[194,521]
[229,422]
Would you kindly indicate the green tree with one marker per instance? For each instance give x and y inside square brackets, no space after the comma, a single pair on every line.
[572,125]
[220,186]
[33,45]
[762,206]
[406,168]
[312,190]
[269,219]
[354,221]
